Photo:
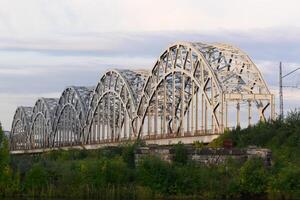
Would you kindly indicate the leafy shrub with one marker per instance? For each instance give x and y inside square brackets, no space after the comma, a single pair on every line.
[180,154]
[286,183]
[253,177]
[36,179]
[156,174]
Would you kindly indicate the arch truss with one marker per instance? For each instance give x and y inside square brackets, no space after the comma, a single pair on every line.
[42,122]
[113,106]
[70,116]
[194,91]
[19,137]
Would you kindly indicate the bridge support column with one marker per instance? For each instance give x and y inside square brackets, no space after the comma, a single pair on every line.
[238,123]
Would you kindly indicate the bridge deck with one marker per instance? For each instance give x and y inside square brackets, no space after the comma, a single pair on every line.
[165,141]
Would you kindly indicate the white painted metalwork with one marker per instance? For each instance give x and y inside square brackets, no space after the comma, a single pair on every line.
[19,137]
[113,106]
[70,116]
[194,92]
[42,122]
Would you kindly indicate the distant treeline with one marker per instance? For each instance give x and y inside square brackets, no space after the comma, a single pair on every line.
[112,173]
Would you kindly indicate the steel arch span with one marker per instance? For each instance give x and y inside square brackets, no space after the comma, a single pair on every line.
[194,92]
[113,106]
[19,137]
[192,85]
[70,116]
[42,119]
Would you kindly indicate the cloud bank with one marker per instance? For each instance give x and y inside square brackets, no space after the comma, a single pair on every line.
[48,45]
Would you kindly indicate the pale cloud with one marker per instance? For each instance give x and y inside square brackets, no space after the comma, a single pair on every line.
[48,45]
[36,17]
[20,72]
[33,62]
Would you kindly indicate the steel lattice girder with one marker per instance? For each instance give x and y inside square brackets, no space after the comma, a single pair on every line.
[20,128]
[114,103]
[42,122]
[71,111]
[187,93]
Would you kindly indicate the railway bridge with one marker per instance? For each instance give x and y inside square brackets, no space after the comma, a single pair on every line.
[194,92]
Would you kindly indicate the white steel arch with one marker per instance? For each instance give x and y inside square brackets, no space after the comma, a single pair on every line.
[188,73]
[240,80]
[180,78]
[19,135]
[70,116]
[113,106]
[42,122]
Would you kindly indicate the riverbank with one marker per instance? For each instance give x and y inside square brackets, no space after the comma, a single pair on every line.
[113,173]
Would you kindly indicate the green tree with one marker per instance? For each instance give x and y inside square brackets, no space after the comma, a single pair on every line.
[5,170]
[4,152]
[286,183]
[156,174]
[115,171]
[128,155]
[253,177]
[36,179]
[180,154]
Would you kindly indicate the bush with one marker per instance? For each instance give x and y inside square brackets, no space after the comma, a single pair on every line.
[128,155]
[156,174]
[115,171]
[286,183]
[8,183]
[180,154]
[253,177]
[36,179]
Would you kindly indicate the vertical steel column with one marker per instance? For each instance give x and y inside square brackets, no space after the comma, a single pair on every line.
[202,113]
[205,116]
[203,110]
[238,114]
[192,108]
[249,113]
[98,124]
[114,119]
[226,113]
[188,120]
[130,133]
[197,109]
[93,128]
[173,103]
[272,107]
[120,120]
[156,114]
[102,104]
[125,123]
[149,122]
[108,117]
[182,103]
[44,134]
[68,128]
[164,108]
[39,131]
[222,113]
[64,127]
[212,107]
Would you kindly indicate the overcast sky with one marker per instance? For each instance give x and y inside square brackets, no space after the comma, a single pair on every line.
[46,45]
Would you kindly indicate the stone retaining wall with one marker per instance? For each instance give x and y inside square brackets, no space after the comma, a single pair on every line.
[207,156]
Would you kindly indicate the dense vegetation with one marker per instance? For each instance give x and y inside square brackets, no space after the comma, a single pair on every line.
[111,173]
